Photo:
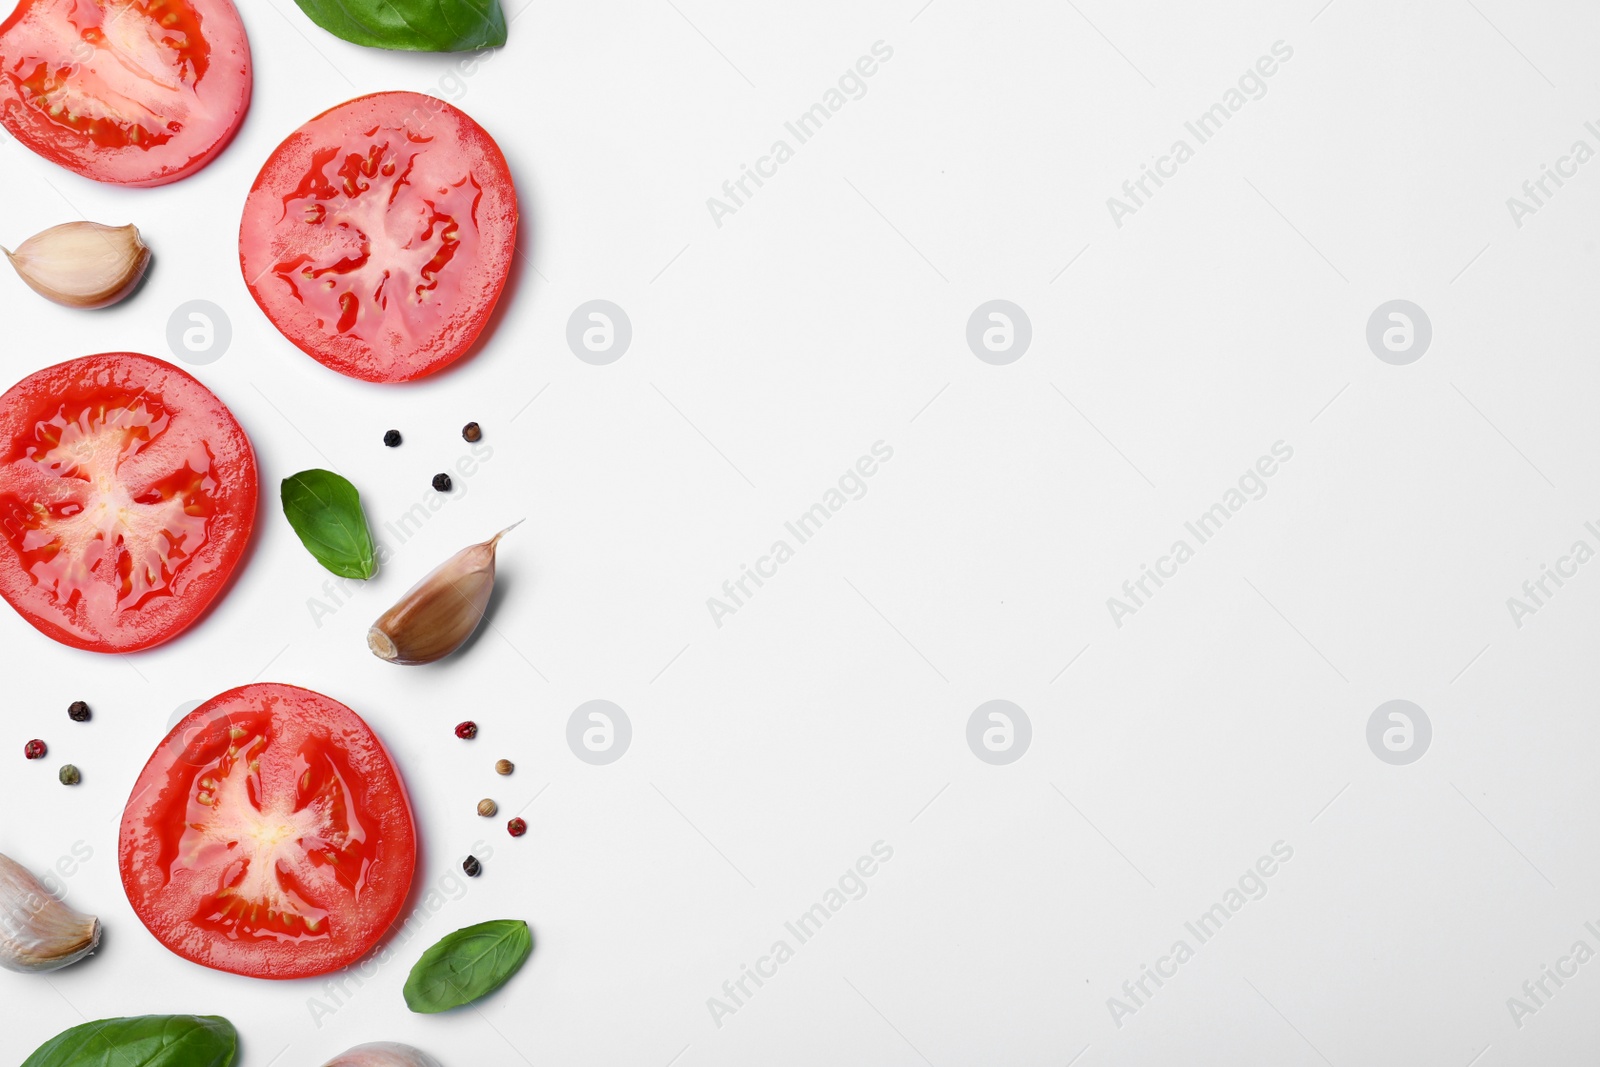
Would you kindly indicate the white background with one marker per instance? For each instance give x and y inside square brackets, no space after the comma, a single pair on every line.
[830,712]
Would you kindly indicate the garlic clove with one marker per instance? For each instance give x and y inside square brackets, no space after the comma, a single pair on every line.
[82,264]
[382,1054]
[440,612]
[38,932]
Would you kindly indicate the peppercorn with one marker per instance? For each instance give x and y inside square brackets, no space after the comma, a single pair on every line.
[392,438]
[78,711]
[472,432]
[503,767]
[441,482]
[472,866]
[34,749]
[467,730]
[69,775]
[487,807]
[517,827]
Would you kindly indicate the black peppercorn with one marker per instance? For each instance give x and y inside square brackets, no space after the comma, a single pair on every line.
[472,432]
[441,482]
[392,438]
[472,866]
[78,711]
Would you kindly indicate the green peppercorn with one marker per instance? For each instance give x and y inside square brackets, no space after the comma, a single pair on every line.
[69,775]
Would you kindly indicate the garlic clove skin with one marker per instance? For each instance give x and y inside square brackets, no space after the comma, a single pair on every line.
[38,933]
[382,1054]
[82,264]
[440,612]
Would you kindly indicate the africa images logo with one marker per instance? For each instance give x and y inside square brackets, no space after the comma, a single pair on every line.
[852,485]
[851,885]
[1250,886]
[1252,485]
[736,192]
[1251,85]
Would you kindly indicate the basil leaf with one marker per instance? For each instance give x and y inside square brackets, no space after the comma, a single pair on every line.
[325,510]
[412,25]
[142,1041]
[468,964]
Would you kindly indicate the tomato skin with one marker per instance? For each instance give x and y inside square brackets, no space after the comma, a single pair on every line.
[181,453]
[60,55]
[170,882]
[379,235]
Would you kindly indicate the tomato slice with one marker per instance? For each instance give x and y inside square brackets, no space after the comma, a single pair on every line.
[378,237]
[269,835]
[127,495]
[138,92]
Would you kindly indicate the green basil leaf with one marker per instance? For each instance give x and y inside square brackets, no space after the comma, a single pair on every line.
[468,964]
[412,25]
[142,1041]
[325,510]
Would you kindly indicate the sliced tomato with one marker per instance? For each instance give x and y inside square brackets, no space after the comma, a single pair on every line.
[127,496]
[138,92]
[377,237]
[269,835]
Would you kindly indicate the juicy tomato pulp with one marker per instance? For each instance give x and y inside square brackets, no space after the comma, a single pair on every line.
[269,835]
[377,237]
[127,495]
[139,92]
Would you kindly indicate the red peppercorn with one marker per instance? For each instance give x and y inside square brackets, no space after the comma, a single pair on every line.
[517,827]
[34,749]
[467,730]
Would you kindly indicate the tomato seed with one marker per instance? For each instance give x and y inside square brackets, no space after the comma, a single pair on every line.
[467,730]
[441,482]
[78,711]
[34,749]
[472,866]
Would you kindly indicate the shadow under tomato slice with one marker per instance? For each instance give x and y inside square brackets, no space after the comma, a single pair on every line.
[127,497]
[136,92]
[269,835]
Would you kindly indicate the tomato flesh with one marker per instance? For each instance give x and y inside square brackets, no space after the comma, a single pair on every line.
[269,835]
[378,237]
[139,92]
[127,496]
